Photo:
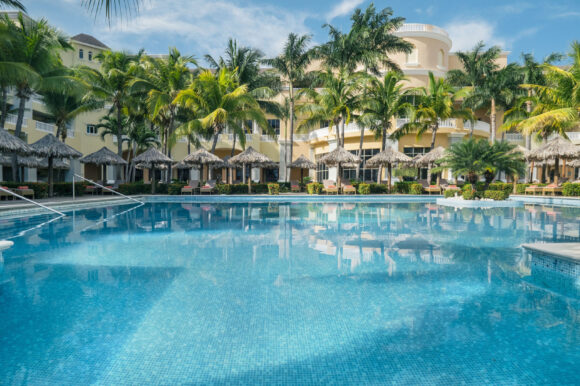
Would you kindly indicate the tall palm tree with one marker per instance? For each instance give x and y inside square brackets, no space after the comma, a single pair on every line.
[65,107]
[291,65]
[220,102]
[37,46]
[111,8]
[385,100]
[111,84]
[436,102]
[12,4]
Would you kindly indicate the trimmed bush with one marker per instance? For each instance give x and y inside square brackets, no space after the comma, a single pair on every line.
[364,188]
[403,187]
[223,188]
[378,188]
[571,189]
[451,193]
[468,194]
[497,195]
[416,189]
[501,186]
[175,188]
[41,188]
[521,188]
[314,188]
[273,189]
[132,188]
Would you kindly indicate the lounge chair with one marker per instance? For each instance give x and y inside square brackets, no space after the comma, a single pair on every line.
[533,189]
[112,185]
[5,194]
[209,187]
[552,189]
[191,188]
[348,189]
[452,187]
[24,191]
[433,189]
[329,187]
[295,186]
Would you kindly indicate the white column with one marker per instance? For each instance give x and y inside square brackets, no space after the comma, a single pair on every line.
[333,171]
[255,173]
[282,168]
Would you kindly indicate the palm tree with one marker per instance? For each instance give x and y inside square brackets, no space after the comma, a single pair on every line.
[469,158]
[111,84]
[283,112]
[36,46]
[220,102]
[291,65]
[110,7]
[385,100]
[435,103]
[12,4]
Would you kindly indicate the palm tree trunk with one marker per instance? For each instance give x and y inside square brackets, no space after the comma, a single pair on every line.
[50,183]
[360,147]
[233,146]
[119,141]
[434,135]
[383,147]
[389,171]
[492,120]
[214,143]
[342,126]
[3,107]
[17,131]
[291,153]
[556,170]
[529,110]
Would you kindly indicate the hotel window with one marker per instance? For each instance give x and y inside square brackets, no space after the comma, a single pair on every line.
[413,57]
[275,124]
[81,54]
[248,126]
[440,58]
[366,174]
[321,172]
[92,129]
[324,124]
[90,55]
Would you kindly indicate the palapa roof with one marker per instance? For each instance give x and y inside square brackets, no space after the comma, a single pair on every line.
[574,164]
[339,156]
[520,149]
[429,158]
[182,165]
[145,165]
[34,162]
[103,157]
[50,146]
[387,156]
[557,147]
[250,156]
[152,156]
[302,163]
[12,144]
[202,157]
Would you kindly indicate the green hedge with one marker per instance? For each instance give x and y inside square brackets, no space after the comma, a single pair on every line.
[224,188]
[571,189]
[416,189]
[273,189]
[378,188]
[403,187]
[41,188]
[497,195]
[133,188]
[469,194]
[175,188]
[501,186]
[364,188]
[314,188]
[448,193]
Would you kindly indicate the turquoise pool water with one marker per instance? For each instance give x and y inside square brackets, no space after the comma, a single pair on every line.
[246,293]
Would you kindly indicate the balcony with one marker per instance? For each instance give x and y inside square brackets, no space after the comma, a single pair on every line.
[46,127]
[514,137]
[418,27]
[12,118]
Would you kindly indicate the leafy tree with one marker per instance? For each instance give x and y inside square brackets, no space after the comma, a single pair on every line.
[291,65]
[12,4]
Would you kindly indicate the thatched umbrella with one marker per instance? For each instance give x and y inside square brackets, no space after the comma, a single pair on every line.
[28,162]
[427,160]
[153,157]
[103,157]
[251,157]
[203,157]
[49,146]
[302,163]
[524,152]
[338,157]
[11,144]
[387,157]
[556,149]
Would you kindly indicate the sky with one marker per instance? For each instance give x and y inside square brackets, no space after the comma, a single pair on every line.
[202,27]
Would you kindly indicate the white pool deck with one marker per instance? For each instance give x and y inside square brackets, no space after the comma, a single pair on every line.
[565,251]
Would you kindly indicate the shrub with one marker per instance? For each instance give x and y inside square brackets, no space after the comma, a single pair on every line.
[273,189]
[223,188]
[451,193]
[378,188]
[480,186]
[403,187]
[175,188]
[521,188]
[468,194]
[571,189]
[364,188]
[501,186]
[132,188]
[416,189]
[239,189]
[41,188]
[314,188]
[467,187]
[497,195]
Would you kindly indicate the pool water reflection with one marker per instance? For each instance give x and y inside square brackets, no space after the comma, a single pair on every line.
[288,293]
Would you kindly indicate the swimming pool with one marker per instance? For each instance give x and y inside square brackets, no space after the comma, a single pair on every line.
[296,293]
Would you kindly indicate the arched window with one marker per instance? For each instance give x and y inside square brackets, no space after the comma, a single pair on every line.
[81,53]
[413,57]
[90,55]
[440,58]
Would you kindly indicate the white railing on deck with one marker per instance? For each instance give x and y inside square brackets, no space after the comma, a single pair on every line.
[514,137]
[46,127]
[418,27]
[12,118]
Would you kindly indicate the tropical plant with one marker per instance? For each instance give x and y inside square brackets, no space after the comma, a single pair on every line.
[111,84]
[436,102]
[36,46]
[64,108]
[12,4]
[110,7]
[219,101]
[291,65]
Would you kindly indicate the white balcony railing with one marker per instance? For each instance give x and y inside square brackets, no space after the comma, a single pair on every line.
[442,123]
[573,135]
[418,27]
[12,118]
[46,127]
[514,137]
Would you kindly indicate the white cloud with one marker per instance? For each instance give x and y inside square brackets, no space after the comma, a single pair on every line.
[466,34]
[205,26]
[425,11]
[343,8]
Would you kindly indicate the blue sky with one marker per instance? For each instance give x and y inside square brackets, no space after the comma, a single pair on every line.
[200,26]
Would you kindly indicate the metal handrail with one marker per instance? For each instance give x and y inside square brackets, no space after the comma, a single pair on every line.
[101,186]
[32,201]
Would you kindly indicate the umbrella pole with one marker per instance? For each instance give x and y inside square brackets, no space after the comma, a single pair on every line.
[338,179]
[249,180]
[556,169]
[50,185]
[389,170]
[152,178]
